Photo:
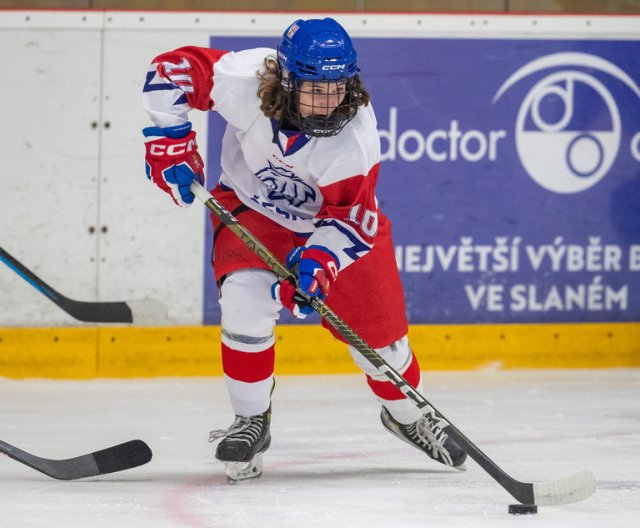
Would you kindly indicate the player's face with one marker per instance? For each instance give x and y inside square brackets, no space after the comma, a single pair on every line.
[321,98]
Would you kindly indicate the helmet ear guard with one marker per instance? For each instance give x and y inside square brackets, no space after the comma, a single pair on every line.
[318,51]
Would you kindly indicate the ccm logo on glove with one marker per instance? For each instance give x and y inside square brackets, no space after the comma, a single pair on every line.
[176,149]
[173,162]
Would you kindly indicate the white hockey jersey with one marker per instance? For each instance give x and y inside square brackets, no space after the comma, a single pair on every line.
[323,186]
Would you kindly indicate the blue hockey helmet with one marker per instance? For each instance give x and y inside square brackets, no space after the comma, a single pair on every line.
[317,50]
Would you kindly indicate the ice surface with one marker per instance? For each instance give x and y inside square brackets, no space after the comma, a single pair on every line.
[331,463]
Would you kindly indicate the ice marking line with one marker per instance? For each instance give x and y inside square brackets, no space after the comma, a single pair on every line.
[175,505]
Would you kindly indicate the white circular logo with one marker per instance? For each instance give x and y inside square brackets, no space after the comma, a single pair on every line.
[556,155]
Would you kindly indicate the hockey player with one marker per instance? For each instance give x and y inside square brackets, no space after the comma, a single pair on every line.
[300,161]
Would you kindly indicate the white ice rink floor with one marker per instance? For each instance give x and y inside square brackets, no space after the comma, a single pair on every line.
[331,463]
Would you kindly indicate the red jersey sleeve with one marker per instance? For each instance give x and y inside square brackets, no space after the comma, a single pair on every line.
[347,222]
[353,202]
[191,69]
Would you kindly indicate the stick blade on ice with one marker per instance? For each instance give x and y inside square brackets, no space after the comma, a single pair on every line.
[124,456]
[115,458]
[570,489]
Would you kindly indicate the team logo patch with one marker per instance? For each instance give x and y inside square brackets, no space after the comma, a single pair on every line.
[282,184]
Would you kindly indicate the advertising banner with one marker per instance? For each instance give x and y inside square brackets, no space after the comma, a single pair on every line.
[510,171]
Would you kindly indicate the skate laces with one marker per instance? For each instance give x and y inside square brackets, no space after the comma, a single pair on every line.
[244,429]
[432,436]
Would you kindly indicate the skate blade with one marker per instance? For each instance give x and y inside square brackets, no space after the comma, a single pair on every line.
[461,467]
[239,471]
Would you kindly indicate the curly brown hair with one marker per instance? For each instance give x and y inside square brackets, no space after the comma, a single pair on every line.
[274,98]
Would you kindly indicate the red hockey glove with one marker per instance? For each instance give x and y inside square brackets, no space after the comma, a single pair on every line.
[316,268]
[173,162]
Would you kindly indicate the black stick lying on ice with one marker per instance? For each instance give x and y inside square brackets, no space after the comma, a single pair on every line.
[146,311]
[110,460]
[563,491]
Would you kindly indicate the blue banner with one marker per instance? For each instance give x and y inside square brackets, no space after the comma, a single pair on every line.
[511,173]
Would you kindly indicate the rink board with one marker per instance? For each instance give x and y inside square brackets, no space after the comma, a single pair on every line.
[480,235]
[121,352]
[548,279]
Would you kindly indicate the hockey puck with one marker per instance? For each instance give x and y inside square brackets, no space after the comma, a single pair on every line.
[523,509]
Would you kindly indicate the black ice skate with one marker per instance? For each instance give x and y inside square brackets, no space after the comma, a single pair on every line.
[242,446]
[428,437]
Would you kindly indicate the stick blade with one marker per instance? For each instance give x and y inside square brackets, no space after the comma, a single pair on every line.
[570,489]
[123,456]
[148,312]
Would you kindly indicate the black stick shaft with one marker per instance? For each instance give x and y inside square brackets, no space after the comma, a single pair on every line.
[29,276]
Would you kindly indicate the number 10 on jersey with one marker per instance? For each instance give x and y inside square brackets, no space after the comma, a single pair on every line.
[365,218]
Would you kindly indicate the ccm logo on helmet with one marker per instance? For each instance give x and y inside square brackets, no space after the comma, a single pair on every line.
[334,67]
[177,149]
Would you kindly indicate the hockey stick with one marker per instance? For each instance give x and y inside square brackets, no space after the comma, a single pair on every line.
[115,458]
[563,491]
[147,311]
